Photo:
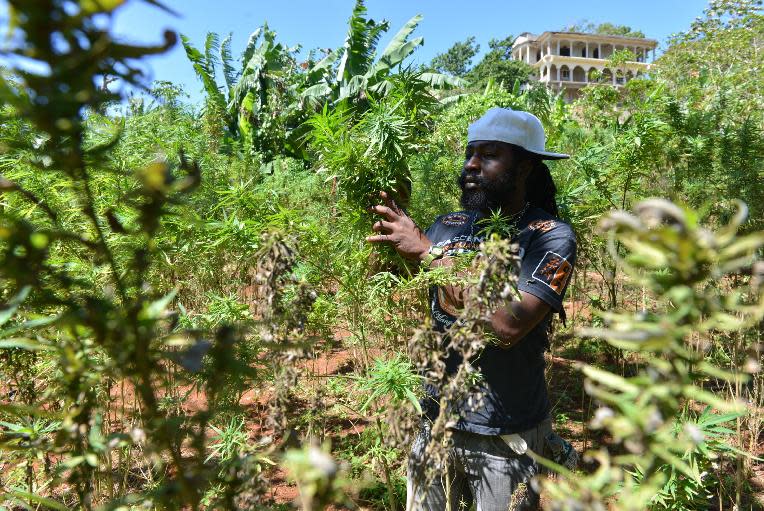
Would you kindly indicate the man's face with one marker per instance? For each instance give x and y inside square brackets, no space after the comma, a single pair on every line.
[489,176]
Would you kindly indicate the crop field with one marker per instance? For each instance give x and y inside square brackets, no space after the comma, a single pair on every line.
[191,316]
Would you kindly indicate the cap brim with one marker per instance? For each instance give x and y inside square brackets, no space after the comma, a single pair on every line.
[550,156]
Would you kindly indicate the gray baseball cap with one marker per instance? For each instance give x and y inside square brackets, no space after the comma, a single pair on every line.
[513,127]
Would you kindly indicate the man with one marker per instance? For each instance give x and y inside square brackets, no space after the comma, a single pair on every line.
[503,171]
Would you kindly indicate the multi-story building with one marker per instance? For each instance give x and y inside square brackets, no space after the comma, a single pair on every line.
[569,61]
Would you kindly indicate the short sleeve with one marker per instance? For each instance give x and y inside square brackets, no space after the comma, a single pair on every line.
[547,265]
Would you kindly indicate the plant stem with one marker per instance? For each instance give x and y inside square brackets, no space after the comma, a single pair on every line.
[388,479]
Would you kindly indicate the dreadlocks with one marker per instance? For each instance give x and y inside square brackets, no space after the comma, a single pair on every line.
[540,189]
[539,185]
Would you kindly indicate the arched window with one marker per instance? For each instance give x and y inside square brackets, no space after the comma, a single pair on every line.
[564,73]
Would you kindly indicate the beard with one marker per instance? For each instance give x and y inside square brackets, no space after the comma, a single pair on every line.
[488,196]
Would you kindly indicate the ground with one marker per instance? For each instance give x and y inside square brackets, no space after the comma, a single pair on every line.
[570,407]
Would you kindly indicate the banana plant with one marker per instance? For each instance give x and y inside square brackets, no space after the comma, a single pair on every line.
[205,64]
[260,104]
[359,70]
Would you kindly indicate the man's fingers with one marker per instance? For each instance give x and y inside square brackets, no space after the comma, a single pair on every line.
[379,237]
[391,203]
[380,225]
[385,211]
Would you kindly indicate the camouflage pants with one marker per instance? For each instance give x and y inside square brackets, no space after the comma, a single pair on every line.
[482,469]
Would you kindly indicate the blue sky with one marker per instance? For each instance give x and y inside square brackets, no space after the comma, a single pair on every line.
[322,23]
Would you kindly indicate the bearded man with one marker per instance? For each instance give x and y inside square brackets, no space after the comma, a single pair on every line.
[503,172]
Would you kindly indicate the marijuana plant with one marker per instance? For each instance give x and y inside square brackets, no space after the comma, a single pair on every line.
[687,268]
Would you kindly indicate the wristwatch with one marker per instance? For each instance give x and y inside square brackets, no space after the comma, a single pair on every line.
[432,254]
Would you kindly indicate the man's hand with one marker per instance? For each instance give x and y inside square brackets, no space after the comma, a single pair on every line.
[399,229]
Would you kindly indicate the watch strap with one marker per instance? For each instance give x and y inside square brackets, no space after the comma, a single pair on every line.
[432,254]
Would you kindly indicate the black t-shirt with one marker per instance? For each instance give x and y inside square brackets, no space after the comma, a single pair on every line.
[514,390]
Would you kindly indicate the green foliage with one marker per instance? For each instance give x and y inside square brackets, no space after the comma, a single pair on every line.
[91,267]
[497,66]
[680,492]
[606,28]
[100,316]
[713,71]
[369,153]
[496,224]
[229,441]
[204,66]
[359,72]
[260,106]
[375,494]
[718,52]
[619,58]
[680,262]
[143,306]
[457,59]
[393,379]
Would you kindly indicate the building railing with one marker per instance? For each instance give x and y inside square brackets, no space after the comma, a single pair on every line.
[618,81]
[531,52]
[578,61]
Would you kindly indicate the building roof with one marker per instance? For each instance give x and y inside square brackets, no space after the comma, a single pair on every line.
[529,37]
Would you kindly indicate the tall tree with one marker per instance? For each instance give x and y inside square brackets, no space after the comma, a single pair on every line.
[606,28]
[498,65]
[457,59]
[714,70]
[360,70]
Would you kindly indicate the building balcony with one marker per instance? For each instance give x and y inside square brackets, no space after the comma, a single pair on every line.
[531,48]
[571,83]
[587,63]
[576,72]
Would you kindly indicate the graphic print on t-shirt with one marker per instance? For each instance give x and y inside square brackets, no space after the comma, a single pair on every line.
[455,219]
[445,304]
[460,244]
[554,271]
[542,225]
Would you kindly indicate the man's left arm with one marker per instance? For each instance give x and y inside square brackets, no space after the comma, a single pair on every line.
[518,318]
[545,272]
[510,323]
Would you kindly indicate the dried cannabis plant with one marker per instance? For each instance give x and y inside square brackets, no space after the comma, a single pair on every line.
[496,268]
[682,264]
